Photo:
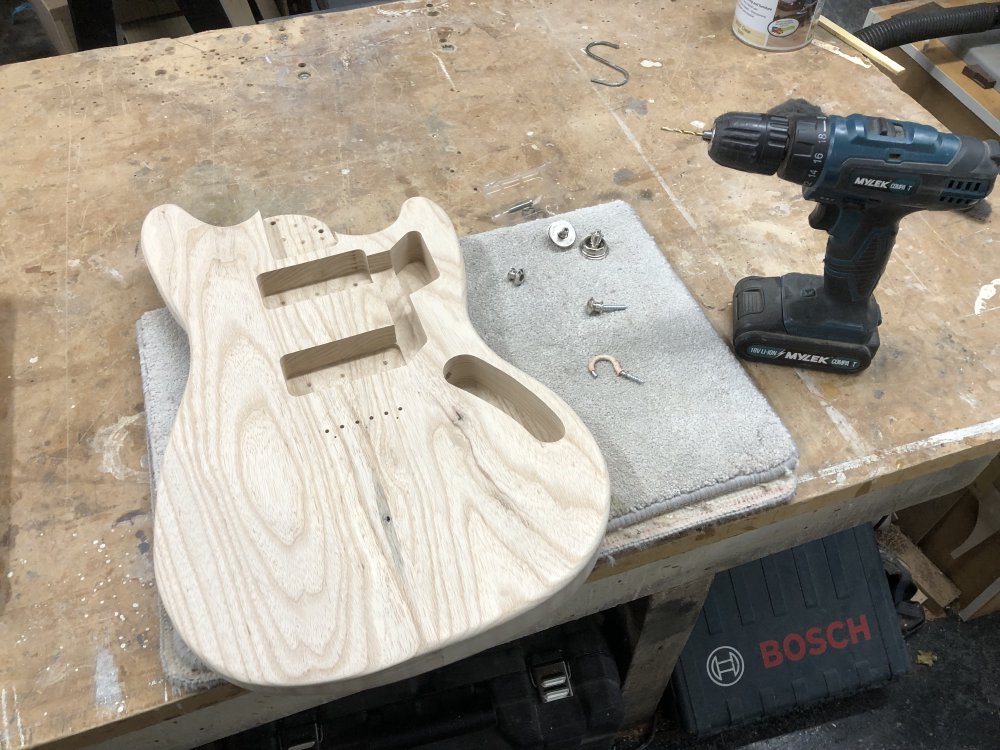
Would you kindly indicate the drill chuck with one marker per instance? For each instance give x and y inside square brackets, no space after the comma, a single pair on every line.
[749,142]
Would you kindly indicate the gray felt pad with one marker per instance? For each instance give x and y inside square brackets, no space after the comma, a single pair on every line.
[696,430]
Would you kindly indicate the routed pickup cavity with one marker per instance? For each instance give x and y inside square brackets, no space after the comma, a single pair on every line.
[329,274]
[328,364]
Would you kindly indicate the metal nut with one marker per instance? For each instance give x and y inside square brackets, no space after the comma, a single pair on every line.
[516,276]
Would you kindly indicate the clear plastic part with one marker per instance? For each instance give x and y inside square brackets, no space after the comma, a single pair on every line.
[520,197]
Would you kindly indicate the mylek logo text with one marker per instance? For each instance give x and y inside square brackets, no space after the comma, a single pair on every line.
[905,185]
[815,641]
[813,358]
[872,183]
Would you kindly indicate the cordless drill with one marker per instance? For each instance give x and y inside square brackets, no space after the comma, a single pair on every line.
[865,174]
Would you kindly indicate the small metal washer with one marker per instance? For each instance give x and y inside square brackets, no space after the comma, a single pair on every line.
[562,234]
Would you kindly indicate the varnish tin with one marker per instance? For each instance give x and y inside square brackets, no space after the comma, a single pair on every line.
[776,24]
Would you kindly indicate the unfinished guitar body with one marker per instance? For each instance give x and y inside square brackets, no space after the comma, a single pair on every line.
[356,488]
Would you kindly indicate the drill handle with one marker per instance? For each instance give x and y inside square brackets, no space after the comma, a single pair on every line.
[858,248]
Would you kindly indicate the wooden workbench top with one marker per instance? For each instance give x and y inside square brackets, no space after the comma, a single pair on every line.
[343,117]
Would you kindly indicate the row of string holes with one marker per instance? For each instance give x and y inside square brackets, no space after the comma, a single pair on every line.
[358,421]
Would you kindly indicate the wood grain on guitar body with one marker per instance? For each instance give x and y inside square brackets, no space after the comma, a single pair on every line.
[355,486]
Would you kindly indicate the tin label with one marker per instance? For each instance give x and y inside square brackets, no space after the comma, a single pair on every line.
[776,24]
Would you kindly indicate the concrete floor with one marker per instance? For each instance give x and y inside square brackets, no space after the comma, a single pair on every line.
[21,36]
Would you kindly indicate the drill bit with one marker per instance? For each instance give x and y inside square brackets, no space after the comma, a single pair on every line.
[705,135]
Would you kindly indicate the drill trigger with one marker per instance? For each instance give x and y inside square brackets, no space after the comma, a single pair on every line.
[824,216]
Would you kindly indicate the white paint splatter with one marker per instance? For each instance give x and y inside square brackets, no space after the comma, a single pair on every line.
[73,263]
[986,292]
[107,687]
[99,264]
[345,171]
[444,70]
[18,724]
[17,718]
[780,209]
[108,442]
[844,427]
[969,399]
[6,720]
[935,441]
[651,64]
[33,361]
[697,124]
[836,50]
[408,11]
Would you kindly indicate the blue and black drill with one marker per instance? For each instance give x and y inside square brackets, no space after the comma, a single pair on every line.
[865,174]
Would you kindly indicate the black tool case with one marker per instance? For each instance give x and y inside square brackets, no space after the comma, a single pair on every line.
[790,630]
[555,690]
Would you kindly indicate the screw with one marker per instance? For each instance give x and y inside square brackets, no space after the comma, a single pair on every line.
[629,376]
[596,308]
[516,275]
[562,234]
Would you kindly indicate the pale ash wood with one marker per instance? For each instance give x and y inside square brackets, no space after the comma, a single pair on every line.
[327,510]
[867,50]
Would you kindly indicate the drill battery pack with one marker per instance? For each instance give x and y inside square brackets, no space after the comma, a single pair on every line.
[790,320]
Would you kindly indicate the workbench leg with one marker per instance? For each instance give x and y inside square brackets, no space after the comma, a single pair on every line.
[204,15]
[658,627]
[93,23]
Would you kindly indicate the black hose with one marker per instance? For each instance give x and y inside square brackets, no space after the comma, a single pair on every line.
[904,29]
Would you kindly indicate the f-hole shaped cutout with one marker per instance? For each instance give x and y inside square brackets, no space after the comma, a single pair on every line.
[497,388]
